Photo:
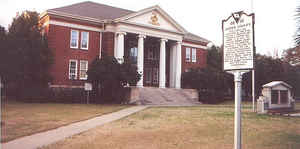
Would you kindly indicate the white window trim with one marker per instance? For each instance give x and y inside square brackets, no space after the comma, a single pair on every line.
[72,60]
[188,49]
[76,47]
[195,54]
[87,45]
[87,64]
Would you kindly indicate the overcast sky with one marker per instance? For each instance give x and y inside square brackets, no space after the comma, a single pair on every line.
[274,28]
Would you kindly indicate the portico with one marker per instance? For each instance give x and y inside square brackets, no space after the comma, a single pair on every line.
[160,37]
[154,57]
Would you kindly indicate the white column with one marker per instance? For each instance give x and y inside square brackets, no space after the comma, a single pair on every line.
[140,59]
[100,44]
[162,63]
[116,45]
[178,66]
[171,77]
[120,47]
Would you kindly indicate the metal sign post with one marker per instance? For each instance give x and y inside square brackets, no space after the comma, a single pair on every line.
[88,87]
[238,56]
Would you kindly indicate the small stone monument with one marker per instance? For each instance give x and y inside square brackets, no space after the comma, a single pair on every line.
[275,95]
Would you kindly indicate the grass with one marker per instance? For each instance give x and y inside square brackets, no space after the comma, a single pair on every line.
[203,127]
[22,119]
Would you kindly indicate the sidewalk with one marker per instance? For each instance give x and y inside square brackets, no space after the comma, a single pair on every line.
[45,138]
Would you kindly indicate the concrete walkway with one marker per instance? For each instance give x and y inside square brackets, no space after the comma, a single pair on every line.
[45,138]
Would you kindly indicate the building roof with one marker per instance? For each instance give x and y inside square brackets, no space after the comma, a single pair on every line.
[103,12]
[275,83]
[93,10]
[192,37]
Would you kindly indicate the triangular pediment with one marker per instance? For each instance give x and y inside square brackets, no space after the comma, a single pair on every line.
[153,17]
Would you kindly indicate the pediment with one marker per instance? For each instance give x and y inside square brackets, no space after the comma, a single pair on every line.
[154,17]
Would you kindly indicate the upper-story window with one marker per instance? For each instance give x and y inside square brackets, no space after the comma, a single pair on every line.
[188,54]
[84,40]
[194,55]
[74,39]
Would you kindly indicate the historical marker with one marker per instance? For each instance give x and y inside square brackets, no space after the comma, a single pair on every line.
[238,41]
[238,56]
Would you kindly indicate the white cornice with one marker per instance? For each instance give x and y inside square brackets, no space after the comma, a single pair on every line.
[76,26]
[148,26]
[62,14]
[194,45]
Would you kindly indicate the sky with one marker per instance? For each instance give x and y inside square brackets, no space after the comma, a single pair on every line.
[274,19]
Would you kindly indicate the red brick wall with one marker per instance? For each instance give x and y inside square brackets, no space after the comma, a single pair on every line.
[200,58]
[59,43]
[108,43]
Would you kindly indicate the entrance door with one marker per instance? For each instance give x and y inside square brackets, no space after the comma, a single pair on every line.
[151,67]
[151,76]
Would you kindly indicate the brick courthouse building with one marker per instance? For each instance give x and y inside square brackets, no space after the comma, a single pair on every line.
[160,47]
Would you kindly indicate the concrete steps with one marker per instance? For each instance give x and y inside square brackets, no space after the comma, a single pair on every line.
[164,96]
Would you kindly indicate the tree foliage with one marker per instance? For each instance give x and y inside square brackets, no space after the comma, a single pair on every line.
[268,69]
[3,52]
[29,54]
[24,56]
[112,77]
[292,55]
[297,35]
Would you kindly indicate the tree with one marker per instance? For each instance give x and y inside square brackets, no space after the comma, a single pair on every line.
[28,55]
[112,77]
[297,36]
[3,51]
[292,55]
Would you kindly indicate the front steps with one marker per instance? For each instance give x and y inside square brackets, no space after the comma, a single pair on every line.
[163,96]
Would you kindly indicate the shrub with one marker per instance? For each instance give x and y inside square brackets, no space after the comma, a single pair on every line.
[110,77]
[210,83]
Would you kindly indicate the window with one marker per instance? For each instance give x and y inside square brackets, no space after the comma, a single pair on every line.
[133,54]
[83,70]
[72,69]
[74,39]
[194,55]
[187,54]
[148,75]
[84,40]
[150,54]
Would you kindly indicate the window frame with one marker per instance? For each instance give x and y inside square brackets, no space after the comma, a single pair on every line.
[80,69]
[194,55]
[187,54]
[76,64]
[77,41]
[87,42]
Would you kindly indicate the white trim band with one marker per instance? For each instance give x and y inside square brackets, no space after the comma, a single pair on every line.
[194,45]
[77,26]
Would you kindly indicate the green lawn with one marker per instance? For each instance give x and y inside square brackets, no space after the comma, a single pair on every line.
[21,119]
[203,127]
